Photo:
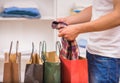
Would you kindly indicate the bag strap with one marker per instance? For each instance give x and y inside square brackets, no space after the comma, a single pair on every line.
[44,52]
[17,57]
[40,45]
[10,50]
[17,45]
[32,52]
[58,47]
[40,51]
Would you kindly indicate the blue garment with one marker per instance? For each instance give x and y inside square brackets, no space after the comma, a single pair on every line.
[82,43]
[21,12]
[103,69]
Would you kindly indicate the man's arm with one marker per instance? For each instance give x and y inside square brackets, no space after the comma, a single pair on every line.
[105,22]
[83,16]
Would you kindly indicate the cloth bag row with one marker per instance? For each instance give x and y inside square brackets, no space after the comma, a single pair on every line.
[45,67]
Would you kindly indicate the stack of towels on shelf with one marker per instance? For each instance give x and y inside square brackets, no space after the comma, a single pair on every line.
[26,9]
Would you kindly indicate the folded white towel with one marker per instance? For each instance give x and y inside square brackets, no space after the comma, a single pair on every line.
[21,4]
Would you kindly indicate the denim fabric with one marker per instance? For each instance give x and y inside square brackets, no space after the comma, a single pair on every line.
[103,69]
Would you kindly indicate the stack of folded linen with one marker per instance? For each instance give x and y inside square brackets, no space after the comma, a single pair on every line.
[26,9]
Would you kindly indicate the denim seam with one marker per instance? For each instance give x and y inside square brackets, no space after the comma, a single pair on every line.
[108,73]
[117,70]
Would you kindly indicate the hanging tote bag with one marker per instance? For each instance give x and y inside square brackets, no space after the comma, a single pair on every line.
[12,72]
[34,68]
[51,66]
[74,69]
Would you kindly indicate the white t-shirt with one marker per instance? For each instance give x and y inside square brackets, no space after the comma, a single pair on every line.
[107,42]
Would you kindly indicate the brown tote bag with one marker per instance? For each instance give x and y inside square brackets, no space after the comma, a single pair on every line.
[12,66]
[34,68]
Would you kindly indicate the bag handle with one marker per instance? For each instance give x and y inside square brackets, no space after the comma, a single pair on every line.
[32,52]
[58,47]
[17,45]
[40,50]
[32,48]
[10,50]
[40,45]
[44,47]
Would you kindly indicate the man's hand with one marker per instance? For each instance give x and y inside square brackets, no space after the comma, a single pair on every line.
[69,32]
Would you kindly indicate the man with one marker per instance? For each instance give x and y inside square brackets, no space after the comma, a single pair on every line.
[102,20]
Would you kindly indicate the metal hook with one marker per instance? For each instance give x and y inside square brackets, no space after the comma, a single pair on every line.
[32,48]
[32,51]
[58,46]
[44,47]
[40,44]
[10,48]
[43,56]
[17,45]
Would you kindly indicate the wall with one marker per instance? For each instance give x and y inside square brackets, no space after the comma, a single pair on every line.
[63,9]
[64,6]
[28,31]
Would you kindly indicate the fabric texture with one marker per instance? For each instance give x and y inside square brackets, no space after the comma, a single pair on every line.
[69,49]
[21,12]
[107,42]
[12,68]
[52,72]
[98,64]
[33,73]
[34,70]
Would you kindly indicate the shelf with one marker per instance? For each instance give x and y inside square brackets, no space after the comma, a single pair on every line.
[47,9]
[43,18]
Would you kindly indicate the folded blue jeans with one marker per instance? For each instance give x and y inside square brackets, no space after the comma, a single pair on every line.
[103,69]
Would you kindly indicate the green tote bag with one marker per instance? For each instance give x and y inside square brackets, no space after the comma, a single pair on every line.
[51,65]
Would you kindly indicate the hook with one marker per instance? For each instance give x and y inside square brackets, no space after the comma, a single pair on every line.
[17,45]
[40,44]
[58,45]
[10,47]
[32,48]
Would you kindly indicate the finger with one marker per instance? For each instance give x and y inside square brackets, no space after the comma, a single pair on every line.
[59,26]
[61,34]
[60,30]
[69,38]
[66,37]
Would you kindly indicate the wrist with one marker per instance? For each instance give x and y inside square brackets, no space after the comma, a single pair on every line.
[80,28]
